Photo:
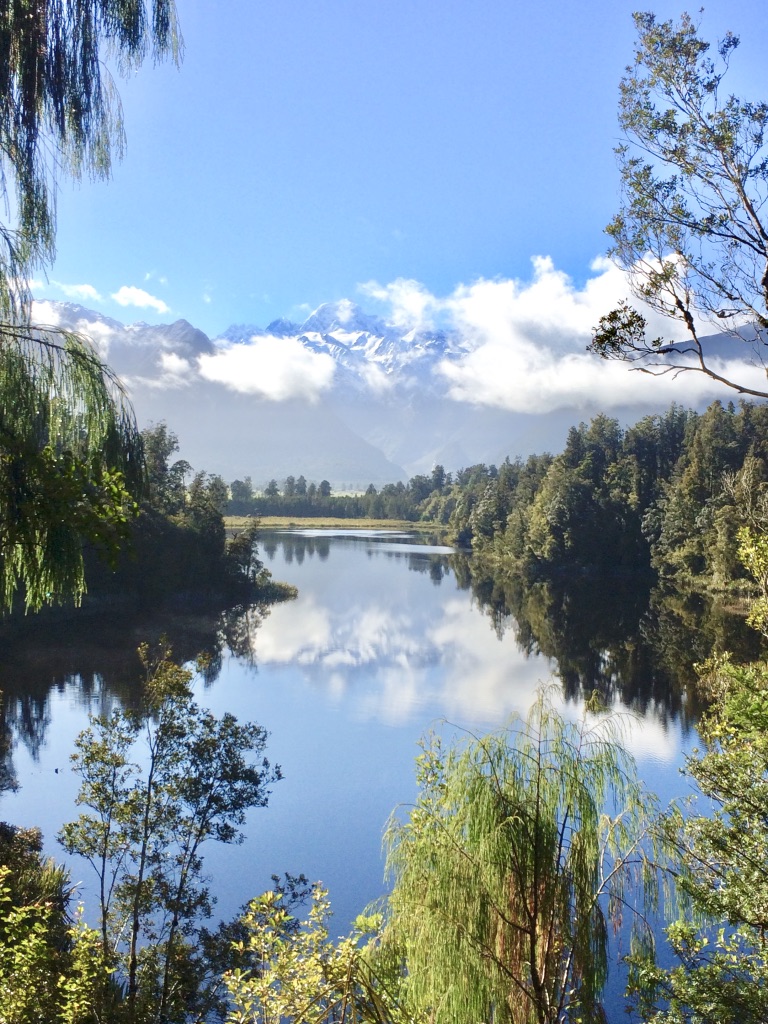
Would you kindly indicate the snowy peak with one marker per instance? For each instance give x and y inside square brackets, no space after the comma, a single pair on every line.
[367,350]
[282,328]
[360,343]
[343,317]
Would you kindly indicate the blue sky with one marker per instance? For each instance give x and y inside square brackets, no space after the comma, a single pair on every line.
[305,149]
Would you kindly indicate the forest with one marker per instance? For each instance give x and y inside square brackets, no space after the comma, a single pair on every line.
[676,495]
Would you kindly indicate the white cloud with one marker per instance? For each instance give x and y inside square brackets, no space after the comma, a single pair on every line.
[525,342]
[44,312]
[100,334]
[273,368]
[376,379]
[175,371]
[344,310]
[129,295]
[85,292]
[410,304]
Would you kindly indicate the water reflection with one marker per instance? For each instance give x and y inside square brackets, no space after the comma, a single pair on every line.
[472,646]
[631,640]
[93,658]
[390,651]
[386,638]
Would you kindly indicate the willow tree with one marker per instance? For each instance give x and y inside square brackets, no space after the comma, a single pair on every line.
[691,232]
[69,448]
[521,848]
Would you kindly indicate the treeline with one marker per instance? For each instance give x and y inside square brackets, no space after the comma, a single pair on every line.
[296,497]
[669,494]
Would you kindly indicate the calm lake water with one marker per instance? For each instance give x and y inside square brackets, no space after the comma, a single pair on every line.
[382,645]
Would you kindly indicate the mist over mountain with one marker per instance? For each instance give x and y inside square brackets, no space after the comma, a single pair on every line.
[344,396]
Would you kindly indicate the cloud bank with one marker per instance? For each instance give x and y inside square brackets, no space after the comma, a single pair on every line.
[517,345]
[269,367]
[524,342]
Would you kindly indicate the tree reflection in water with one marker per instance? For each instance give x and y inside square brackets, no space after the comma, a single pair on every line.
[95,656]
[625,637]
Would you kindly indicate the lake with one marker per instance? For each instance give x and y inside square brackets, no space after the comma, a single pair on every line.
[386,641]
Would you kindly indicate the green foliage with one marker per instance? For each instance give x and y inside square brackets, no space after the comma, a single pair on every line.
[521,847]
[158,782]
[51,969]
[299,976]
[59,110]
[753,552]
[722,974]
[691,232]
[669,493]
[166,491]
[176,549]
[69,453]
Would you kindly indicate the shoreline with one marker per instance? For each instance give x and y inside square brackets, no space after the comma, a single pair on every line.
[331,522]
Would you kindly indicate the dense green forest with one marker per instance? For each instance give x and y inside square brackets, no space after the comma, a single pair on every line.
[176,548]
[172,547]
[668,495]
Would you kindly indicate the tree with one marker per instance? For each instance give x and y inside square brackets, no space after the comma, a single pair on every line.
[70,456]
[157,783]
[69,448]
[165,480]
[439,478]
[242,490]
[59,110]
[722,946]
[218,492]
[691,232]
[502,868]
[289,486]
[271,490]
[324,489]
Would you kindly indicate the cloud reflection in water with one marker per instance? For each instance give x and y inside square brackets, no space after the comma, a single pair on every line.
[401,648]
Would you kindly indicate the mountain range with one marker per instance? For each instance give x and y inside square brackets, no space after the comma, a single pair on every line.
[343,396]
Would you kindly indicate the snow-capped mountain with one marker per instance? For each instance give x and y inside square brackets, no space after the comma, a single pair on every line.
[357,342]
[344,396]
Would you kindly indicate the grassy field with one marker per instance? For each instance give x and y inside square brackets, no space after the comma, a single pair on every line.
[330,523]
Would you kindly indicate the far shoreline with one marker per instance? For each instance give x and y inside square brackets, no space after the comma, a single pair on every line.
[331,523]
